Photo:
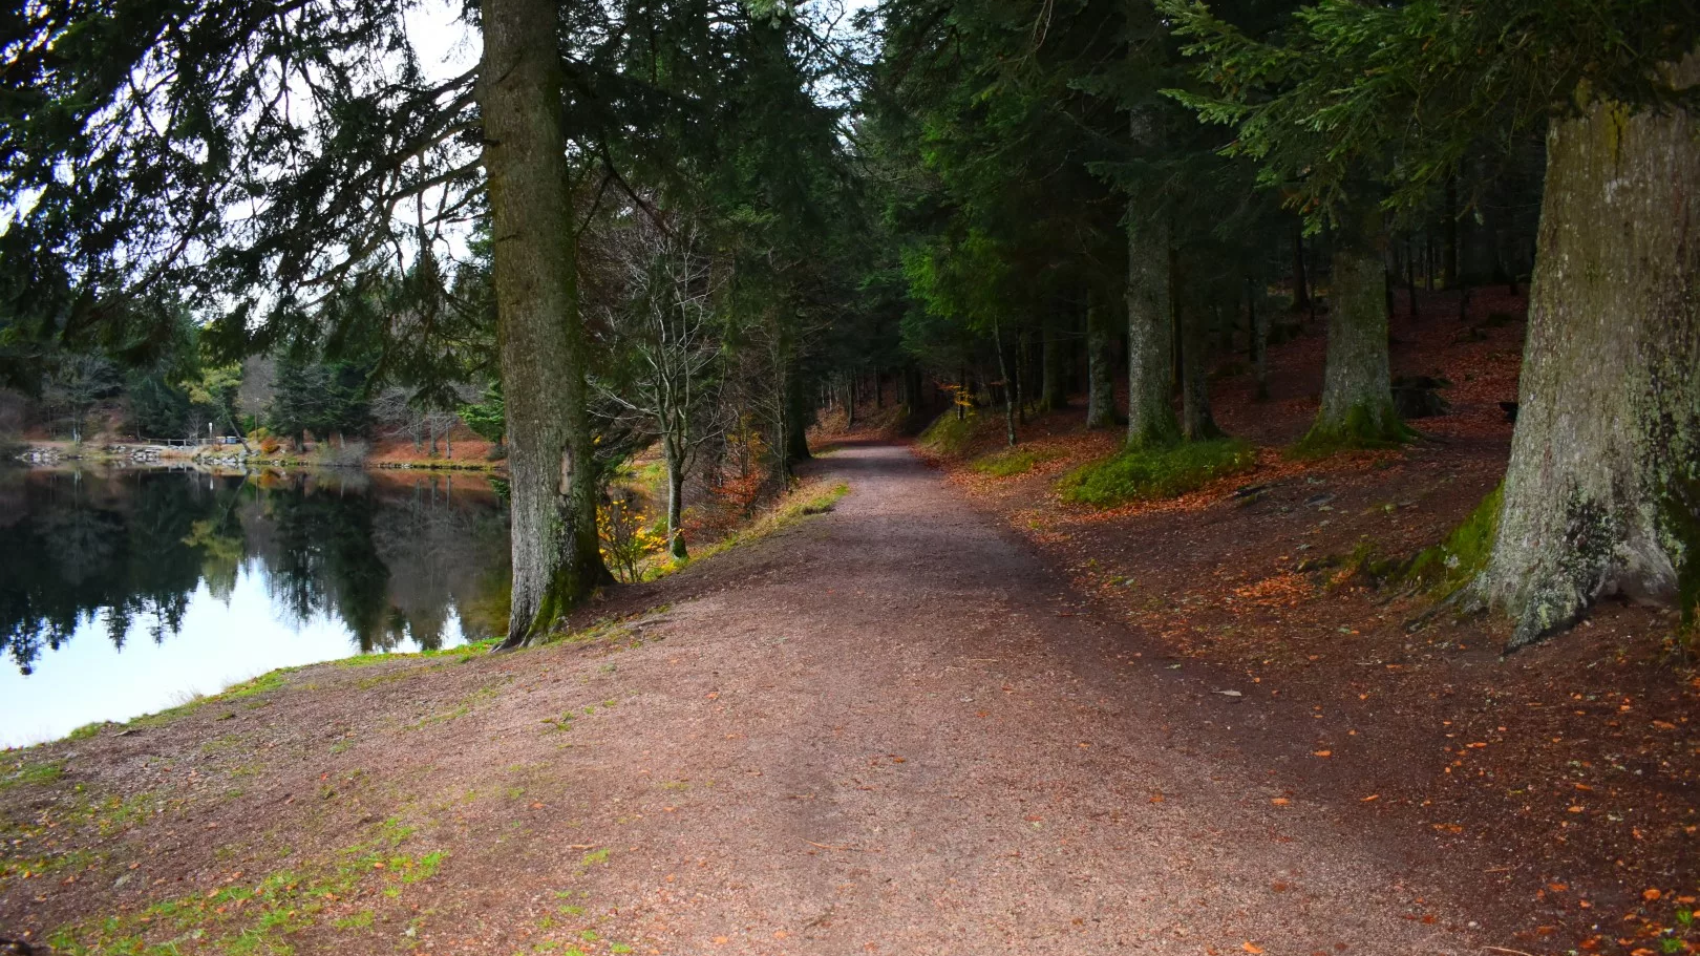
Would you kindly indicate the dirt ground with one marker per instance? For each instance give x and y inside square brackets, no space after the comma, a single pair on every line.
[951,716]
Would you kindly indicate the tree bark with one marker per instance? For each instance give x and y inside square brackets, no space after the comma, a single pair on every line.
[1150,341]
[1052,395]
[551,472]
[1197,422]
[1602,494]
[1357,397]
[1009,396]
[674,458]
[1100,384]
[1259,322]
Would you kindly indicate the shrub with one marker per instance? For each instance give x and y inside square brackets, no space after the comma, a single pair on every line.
[1148,473]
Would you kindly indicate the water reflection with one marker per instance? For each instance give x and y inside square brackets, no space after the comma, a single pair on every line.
[154,584]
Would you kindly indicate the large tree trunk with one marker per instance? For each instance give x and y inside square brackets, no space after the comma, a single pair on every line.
[551,472]
[1357,396]
[1602,495]
[1150,339]
[1100,383]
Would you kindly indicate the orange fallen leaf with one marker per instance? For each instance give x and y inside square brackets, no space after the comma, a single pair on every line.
[1373,796]
[1650,895]
[1280,801]
[1323,753]
[1252,948]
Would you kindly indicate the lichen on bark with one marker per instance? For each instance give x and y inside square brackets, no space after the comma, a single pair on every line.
[1602,493]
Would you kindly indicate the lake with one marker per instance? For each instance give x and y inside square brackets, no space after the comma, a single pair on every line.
[126,592]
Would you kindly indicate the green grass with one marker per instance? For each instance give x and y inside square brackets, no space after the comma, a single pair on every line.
[34,774]
[1009,462]
[948,435]
[1150,473]
[258,916]
[806,500]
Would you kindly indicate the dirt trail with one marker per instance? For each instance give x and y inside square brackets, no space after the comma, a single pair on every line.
[887,729]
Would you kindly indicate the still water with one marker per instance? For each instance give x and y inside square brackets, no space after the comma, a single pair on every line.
[127,592]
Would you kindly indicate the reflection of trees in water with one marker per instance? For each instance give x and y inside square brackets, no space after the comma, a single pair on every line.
[440,542]
[88,544]
[131,548]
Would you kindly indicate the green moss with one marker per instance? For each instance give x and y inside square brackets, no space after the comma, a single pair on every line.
[88,730]
[1455,562]
[1162,472]
[1009,462]
[1680,523]
[949,435]
[1361,428]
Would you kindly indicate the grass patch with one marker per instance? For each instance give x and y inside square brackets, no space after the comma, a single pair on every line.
[32,774]
[1010,462]
[256,917]
[804,500]
[949,435]
[1150,473]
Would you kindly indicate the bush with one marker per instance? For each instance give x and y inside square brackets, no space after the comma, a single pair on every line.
[1148,473]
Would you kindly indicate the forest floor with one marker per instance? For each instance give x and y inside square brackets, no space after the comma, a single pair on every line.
[952,716]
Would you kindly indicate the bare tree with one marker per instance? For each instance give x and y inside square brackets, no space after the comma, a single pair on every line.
[666,326]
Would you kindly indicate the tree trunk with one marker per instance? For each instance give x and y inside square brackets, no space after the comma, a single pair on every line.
[802,416]
[1259,322]
[1009,396]
[1301,291]
[850,403]
[1449,257]
[1150,342]
[551,473]
[1052,395]
[1100,383]
[1357,397]
[674,458]
[1197,424]
[1602,494]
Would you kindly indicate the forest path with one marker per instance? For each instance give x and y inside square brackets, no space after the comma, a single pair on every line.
[888,730]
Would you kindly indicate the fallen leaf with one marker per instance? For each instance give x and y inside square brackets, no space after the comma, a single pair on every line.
[1323,753]
[1252,948]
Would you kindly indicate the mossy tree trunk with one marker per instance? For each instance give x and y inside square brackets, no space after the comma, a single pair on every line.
[1357,395]
[1150,339]
[551,471]
[1100,385]
[1602,494]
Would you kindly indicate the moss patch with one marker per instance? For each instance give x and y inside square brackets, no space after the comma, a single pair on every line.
[1163,472]
[1362,428]
[949,435]
[1456,561]
[1009,462]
